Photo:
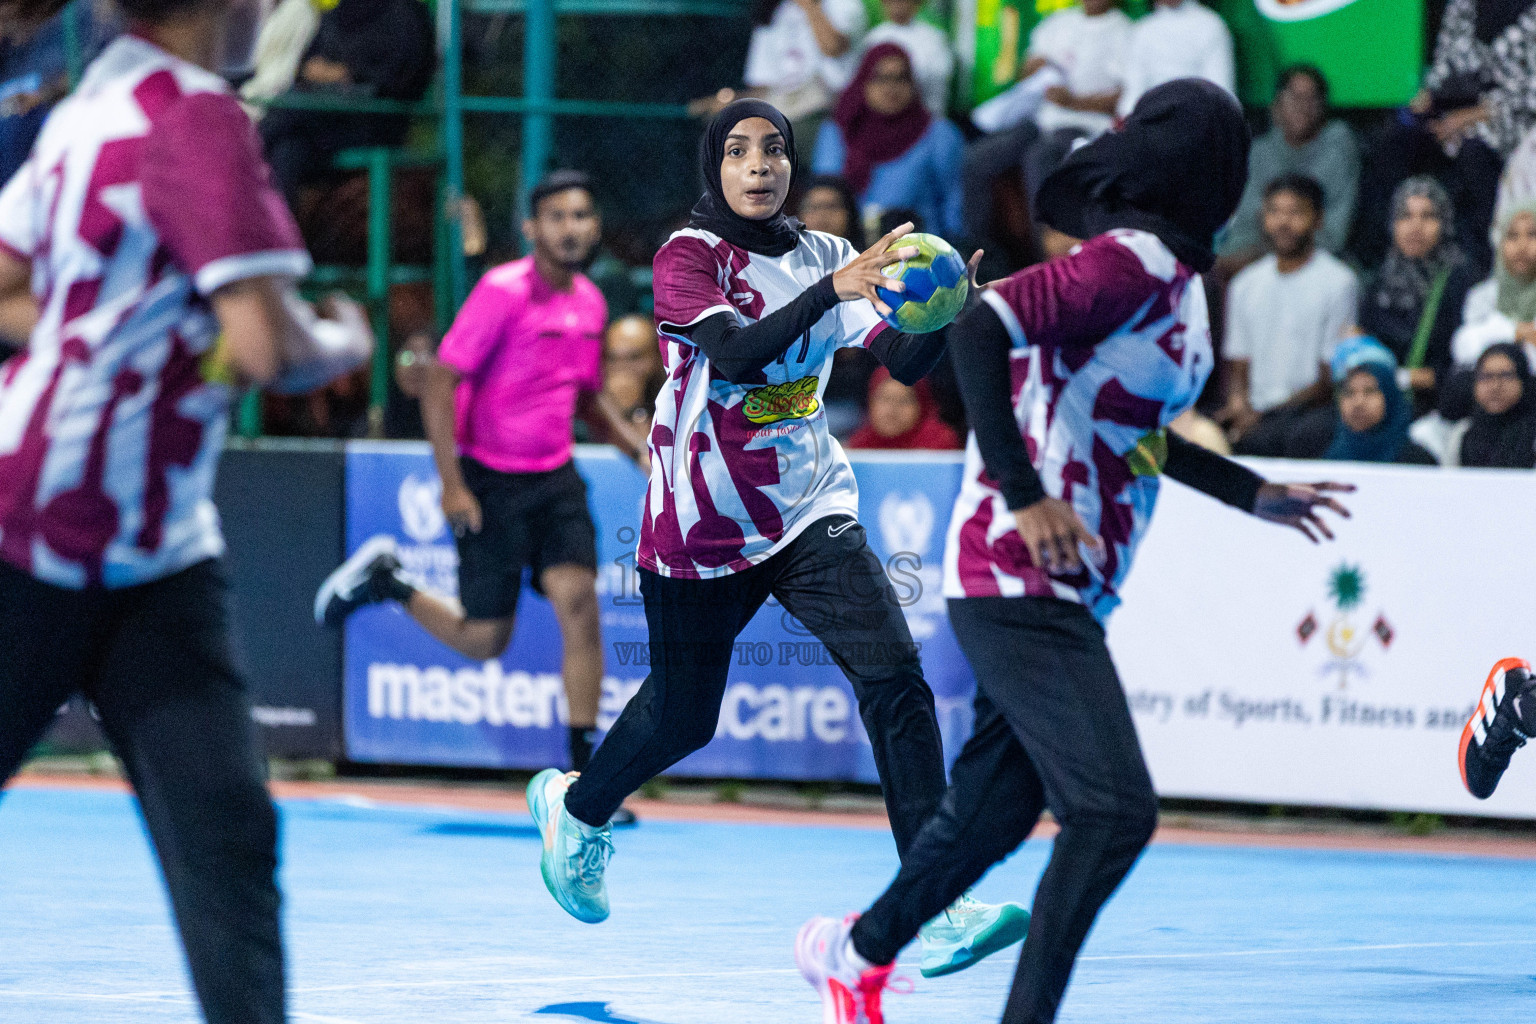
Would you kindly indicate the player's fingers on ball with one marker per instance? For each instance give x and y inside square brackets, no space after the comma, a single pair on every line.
[907,252]
[891,284]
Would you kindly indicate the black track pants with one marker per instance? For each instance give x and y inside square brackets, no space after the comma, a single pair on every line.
[155,661]
[830,581]
[1052,730]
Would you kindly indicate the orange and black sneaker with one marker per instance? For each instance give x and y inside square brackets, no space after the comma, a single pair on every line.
[1505,717]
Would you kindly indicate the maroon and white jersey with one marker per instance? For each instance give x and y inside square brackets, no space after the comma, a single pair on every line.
[738,470]
[145,192]
[1110,344]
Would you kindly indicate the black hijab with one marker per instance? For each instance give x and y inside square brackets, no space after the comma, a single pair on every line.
[1176,168]
[774,236]
[1508,440]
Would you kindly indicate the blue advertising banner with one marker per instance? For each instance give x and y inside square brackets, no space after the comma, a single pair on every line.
[789,713]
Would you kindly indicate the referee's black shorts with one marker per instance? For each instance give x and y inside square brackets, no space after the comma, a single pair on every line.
[527,520]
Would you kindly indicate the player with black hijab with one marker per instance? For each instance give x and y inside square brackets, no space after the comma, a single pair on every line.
[751,497]
[1071,372]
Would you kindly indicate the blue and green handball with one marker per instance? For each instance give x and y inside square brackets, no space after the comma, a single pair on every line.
[936,285]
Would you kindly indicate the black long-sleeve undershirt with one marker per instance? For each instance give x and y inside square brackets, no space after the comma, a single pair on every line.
[740,353]
[980,352]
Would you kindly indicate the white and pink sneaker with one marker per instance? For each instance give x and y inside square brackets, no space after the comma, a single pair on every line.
[850,987]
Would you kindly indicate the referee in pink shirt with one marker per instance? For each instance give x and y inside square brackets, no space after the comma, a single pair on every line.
[522,358]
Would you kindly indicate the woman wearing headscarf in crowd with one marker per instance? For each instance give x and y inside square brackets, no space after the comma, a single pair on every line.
[1413,303]
[1096,351]
[1373,414]
[1503,308]
[750,497]
[1475,106]
[903,417]
[1500,432]
[889,148]
[829,205]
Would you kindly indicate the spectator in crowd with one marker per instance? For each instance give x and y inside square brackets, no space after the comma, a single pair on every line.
[632,377]
[1197,428]
[1414,303]
[1500,431]
[1179,39]
[933,62]
[1503,308]
[34,73]
[889,148]
[363,49]
[284,37]
[1475,106]
[1086,44]
[1517,185]
[829,205]
[902,417]
[801,56]
[1286,314]
[1301,139]
[1373,415]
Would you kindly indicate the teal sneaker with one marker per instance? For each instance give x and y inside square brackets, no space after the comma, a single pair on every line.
[575,854]
[968,932]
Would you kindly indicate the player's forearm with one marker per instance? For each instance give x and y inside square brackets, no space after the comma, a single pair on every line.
[909,357]
[437,418]
[740,353]
[980,346]
[1212,474]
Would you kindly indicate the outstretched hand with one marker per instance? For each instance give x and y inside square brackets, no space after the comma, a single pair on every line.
[865,273]
[1298,505]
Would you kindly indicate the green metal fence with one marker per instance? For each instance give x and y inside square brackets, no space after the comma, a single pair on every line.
[446,108]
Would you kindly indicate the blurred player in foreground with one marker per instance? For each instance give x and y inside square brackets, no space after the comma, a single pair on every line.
[498,407]
[1071,372]
[149,267]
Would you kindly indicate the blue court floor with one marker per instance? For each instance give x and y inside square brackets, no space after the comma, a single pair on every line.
[405,916]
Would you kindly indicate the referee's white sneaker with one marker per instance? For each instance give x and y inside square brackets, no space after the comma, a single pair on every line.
[368,577]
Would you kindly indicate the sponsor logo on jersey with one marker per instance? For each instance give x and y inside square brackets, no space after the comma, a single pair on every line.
[794,400]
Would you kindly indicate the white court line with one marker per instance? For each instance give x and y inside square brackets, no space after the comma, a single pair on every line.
[576,978]
[1311,950]
[319,1019]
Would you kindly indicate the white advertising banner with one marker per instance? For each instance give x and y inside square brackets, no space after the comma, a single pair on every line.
[1263,668]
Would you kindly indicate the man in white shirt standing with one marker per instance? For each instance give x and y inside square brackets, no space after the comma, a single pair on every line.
[1179,39]
[1285,316]
[933,61]
[802,54]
